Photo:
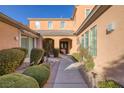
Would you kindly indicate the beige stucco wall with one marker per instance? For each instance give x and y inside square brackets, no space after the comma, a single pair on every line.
[56,25]
[57,39]
[110,47]
[8,36]
[80,15]
[71,24]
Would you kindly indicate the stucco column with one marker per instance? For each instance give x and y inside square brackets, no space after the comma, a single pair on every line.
[40,42]
[56,43]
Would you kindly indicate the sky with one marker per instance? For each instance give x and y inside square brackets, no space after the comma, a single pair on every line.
[22,12]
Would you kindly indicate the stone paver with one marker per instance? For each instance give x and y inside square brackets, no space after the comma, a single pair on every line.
[68,78]
[51,81]
[22,68]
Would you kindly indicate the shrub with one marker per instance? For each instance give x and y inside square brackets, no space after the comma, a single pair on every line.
[108,84]
[77,57]
[17,80]
[36,56]
[46,65]
[38,72]
[10,59]
[88,60]
[26,52]
[56,52]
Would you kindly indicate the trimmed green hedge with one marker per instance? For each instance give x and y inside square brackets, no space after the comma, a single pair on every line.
[36,56]
[56,52]
[17,80]
[26,52]
[46,65]
[38,72]
[108,84]
[10,59]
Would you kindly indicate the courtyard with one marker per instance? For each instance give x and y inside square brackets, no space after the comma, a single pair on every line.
[81,49]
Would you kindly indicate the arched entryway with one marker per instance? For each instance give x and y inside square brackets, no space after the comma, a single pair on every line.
[48,45]
[65,44]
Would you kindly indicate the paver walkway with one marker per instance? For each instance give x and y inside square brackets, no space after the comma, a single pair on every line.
[65,78]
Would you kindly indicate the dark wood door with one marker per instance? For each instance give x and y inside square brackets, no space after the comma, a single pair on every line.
[64,47]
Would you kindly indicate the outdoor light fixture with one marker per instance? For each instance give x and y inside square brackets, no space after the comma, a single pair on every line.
[110,27]
[16,38]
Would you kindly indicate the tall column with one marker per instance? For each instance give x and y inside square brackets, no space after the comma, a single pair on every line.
[56,43]
[40,42]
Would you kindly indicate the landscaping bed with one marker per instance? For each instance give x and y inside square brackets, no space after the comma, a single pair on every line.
[91,78]
[12,60]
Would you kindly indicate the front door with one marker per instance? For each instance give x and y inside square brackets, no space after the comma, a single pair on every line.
[64,47]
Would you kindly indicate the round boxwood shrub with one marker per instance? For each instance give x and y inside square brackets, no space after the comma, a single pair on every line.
[36,56]
[10,59]
[46,65]
[17,80]
[38,72]
[108,84]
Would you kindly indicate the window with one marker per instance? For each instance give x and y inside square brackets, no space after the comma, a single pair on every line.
[50,25]
[62,25]
[86,45]
[93,41]
[82,44]
[37,24]
[89,41]
[87,12]
[85,40]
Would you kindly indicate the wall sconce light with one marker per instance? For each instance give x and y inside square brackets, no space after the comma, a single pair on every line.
[110,27]
[16,38]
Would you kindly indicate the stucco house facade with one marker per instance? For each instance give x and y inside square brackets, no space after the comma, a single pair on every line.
[102,33]
[15,34]
[97,28]
[60,31]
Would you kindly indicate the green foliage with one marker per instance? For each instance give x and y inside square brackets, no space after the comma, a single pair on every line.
[26,52]
[36,56]
[108,84]
[46,65]
[10,59]
[17,80]
[56,52]
[38,72]
[88,60]
[77,57]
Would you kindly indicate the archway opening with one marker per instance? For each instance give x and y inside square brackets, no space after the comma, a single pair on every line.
[48,45]
[65,44]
